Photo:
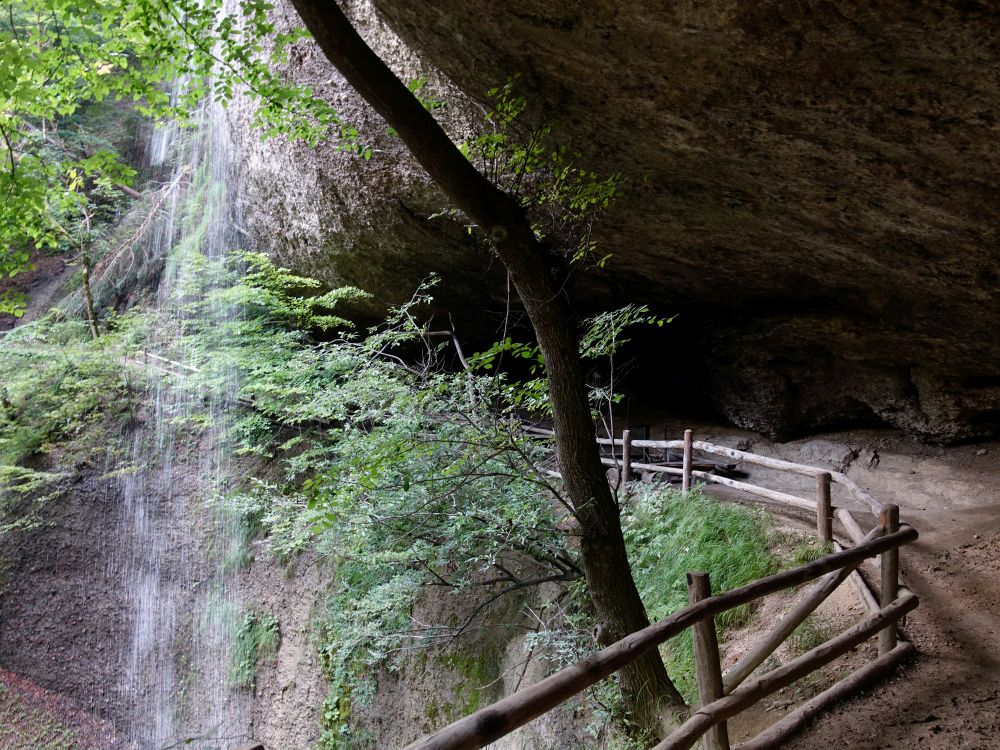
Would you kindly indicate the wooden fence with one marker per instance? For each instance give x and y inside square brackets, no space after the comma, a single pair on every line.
[724,695]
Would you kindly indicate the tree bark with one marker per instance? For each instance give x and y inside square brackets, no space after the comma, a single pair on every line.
[88,297]
[650,695]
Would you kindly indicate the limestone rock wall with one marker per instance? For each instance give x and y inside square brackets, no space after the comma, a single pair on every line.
[344,220]
[818,189]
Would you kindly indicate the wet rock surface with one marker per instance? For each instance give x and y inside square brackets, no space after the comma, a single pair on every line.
[62,618]
[818,190]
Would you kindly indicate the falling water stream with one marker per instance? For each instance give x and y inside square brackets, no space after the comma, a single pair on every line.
[171,541]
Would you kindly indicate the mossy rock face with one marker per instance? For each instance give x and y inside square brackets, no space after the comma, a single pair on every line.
[477,686]
[347,221]
[256,637]
[814,201]
[428,688]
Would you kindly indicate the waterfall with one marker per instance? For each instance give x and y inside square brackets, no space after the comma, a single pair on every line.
[170,542]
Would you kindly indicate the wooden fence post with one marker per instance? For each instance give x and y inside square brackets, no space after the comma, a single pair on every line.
[706,655]
[626,457]
[686,476]
[889,518]
[824,514]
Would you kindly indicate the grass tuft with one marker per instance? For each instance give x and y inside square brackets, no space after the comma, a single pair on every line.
[668,534]
[809,550]
[807,636]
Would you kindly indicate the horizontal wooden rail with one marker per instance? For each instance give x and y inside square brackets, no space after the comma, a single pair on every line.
[755,458]
[770,642]
[493,722]
[540,431]
[708,716]
[645,467]
[853,488]
[778,497]
[776,463]
[857,492]
[775,734]
[641,443]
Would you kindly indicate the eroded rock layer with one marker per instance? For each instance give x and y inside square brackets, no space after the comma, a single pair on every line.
[819,189]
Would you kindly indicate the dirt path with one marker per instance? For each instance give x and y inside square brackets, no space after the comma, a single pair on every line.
[43,286]
[949,696]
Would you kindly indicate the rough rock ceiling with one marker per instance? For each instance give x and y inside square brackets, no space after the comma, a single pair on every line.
[822,183]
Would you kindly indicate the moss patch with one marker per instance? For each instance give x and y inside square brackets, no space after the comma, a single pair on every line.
[257,638]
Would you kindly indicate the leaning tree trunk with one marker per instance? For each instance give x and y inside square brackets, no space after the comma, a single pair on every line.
[647,689]
[650,696]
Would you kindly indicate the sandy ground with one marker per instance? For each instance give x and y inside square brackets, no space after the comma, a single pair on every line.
[949,695]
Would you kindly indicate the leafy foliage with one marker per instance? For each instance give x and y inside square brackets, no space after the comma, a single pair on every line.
[563,197]
[602,337]
[408,476]
[286,297]
[405,474]
[55,385]
[24,494]
[58,57]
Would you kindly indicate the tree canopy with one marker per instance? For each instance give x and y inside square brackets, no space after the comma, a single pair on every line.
[57,57]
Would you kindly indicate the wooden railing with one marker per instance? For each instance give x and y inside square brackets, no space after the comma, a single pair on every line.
[724,695]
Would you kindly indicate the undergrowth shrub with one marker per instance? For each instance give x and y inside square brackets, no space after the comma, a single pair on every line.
[408,477]
[403,474]
[808,550]
[56,385]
